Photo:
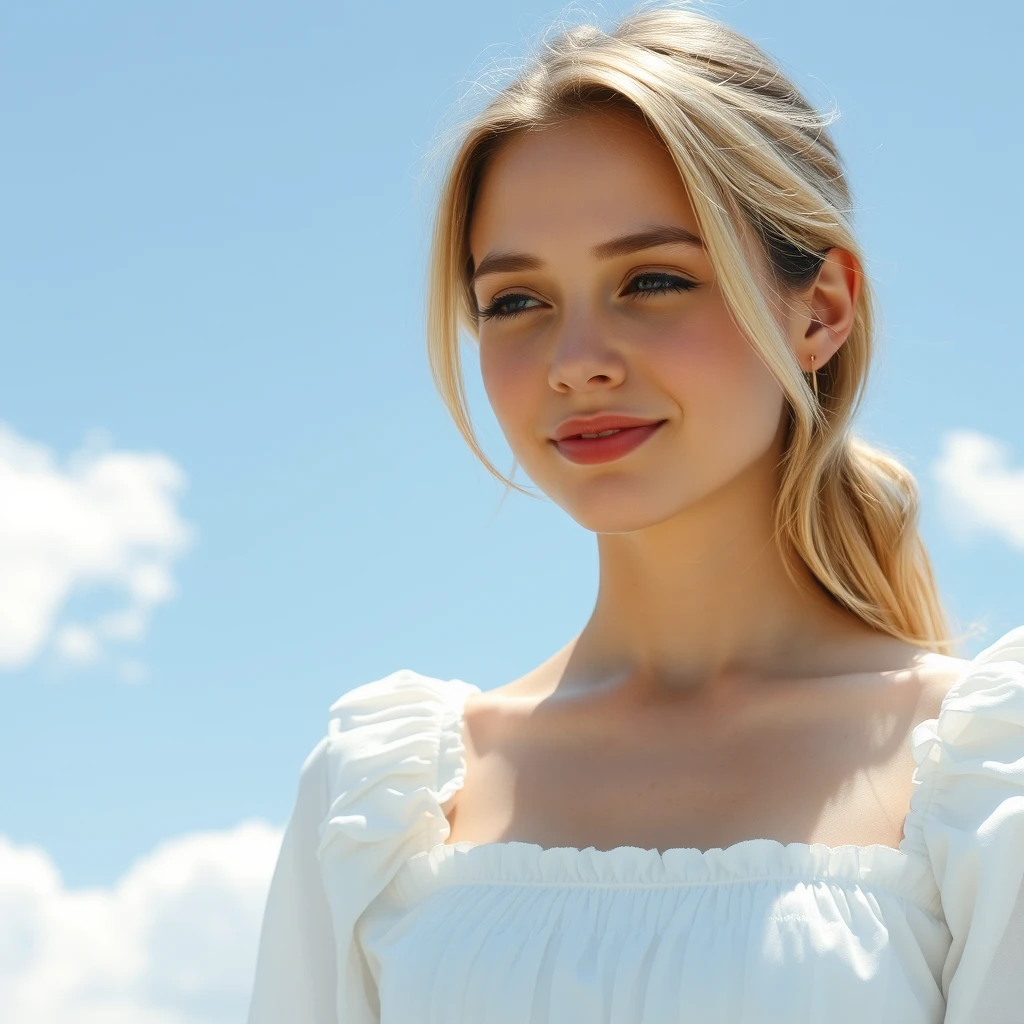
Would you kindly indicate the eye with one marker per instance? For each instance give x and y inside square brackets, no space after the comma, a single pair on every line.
[505,306]
[651,283]
[644,285]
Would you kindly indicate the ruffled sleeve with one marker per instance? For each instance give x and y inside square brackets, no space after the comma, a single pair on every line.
[968,819]
[371,794]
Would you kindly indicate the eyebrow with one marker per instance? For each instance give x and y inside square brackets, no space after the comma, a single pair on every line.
[663,234]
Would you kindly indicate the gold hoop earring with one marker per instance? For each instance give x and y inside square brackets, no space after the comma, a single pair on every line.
[814,377]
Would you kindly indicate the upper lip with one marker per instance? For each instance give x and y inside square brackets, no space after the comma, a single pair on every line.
[595,424]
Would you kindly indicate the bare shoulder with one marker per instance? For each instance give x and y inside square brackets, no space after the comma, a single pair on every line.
[489,719]
[487,713]
[938,673]
[522,693]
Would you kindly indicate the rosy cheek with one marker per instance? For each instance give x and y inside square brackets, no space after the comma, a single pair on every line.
[683,358]
[509,380]
[702,350]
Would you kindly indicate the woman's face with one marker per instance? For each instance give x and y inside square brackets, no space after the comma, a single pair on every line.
[576,331]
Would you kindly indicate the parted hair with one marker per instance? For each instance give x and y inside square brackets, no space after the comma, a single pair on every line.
[760,167]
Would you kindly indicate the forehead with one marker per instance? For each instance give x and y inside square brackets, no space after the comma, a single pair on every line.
[583,180]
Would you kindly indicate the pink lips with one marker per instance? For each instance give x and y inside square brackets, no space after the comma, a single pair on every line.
[587,451]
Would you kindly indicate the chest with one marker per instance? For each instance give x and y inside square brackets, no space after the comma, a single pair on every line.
[670,778]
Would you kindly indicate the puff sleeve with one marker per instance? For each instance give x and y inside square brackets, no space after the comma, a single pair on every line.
[370,796]
[970,794]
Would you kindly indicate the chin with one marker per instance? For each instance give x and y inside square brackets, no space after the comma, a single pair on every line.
[618,513]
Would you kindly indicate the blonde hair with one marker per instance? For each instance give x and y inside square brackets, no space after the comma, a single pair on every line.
[759,165]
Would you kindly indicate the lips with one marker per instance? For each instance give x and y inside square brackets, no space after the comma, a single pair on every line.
[576,426]
[587,451]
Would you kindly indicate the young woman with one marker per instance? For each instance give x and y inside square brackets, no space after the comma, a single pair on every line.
[758,786]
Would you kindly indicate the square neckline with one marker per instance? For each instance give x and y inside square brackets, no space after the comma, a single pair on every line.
[899,855]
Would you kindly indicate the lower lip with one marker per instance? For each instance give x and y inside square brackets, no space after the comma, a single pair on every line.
[586,451]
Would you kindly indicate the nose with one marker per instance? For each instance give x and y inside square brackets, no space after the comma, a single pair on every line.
[584,360]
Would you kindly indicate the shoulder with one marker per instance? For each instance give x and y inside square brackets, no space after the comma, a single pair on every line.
[947,681]
[990,685]
[392,755]
[404,702]
[937,678]
[968,811]
[976,707]
[403,688]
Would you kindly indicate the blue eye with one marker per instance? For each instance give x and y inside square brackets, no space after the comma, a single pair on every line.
[500,307]
[506,306]
[662,283]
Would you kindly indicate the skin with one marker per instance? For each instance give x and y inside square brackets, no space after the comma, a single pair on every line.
[687,666]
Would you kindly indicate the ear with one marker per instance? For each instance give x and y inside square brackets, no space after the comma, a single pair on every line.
[830,303]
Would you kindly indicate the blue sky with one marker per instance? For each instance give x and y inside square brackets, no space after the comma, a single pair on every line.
[235,492]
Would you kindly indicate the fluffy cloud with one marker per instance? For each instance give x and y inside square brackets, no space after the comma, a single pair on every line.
[979,489]
[173,942]
[105,519]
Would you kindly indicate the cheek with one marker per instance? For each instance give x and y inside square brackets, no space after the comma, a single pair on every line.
[510,378]
[692,361]
[725,392]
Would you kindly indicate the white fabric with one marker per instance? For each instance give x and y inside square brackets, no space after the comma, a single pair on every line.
[372,919]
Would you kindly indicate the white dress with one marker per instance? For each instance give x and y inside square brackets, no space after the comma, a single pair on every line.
[372,919]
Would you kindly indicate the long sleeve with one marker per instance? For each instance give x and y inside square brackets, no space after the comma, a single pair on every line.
[295,966]
[1001,996]
[370,797]
[971,771]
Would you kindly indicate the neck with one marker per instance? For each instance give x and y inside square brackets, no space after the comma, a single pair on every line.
[704,598]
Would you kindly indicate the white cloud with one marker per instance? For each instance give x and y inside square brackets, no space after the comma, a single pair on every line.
[173,942]
[105,519]
[76,642]
[126,625]
[980,491]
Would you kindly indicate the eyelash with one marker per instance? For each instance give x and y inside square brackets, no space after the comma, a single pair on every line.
[494,310]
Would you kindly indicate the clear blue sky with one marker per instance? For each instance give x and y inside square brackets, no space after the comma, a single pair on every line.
[215,220]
